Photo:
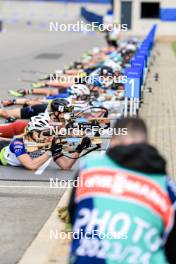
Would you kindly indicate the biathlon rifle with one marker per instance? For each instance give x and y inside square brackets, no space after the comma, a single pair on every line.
[69,145]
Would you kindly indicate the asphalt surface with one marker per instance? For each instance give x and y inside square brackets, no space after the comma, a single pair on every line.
[25,206]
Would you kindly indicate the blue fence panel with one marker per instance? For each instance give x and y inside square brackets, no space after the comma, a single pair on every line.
[90,16]
[168,14]
[136,74]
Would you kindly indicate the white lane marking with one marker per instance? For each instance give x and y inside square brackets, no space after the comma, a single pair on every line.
[27,186]
[43,167]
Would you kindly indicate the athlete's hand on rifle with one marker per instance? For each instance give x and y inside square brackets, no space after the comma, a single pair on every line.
[85,143]
[56,149]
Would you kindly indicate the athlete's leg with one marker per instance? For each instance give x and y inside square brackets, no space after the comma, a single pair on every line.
[38,91]
[10,113]
[19,126]
[73,71]
[45,91]
[21,101]
[8,102]
[12,129]
[61,84]
[34,101]
[6,130]
[29,111]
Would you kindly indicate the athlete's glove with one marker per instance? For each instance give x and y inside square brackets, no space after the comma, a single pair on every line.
[85,143]
[56,150]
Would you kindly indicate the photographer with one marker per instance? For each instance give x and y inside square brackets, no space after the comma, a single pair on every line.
[127,192]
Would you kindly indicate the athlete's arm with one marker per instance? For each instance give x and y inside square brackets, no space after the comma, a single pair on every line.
[33,164]
[66,163]
[58,157]
[17,147]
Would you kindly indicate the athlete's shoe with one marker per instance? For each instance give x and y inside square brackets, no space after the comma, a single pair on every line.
[23,92]
[39,85]
[15,93]
[45,77]
[6,103]
[11,120]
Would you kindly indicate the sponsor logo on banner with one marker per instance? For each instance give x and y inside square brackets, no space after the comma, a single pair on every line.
[121,183]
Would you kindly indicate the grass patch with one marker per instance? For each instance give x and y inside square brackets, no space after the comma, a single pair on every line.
[174,46]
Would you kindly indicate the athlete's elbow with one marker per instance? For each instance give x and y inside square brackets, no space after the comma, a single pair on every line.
[31,166]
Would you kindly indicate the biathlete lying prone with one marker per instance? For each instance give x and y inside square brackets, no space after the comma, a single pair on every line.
[22,150]
[56,111]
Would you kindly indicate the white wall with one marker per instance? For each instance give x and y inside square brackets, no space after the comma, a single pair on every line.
[168,3]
